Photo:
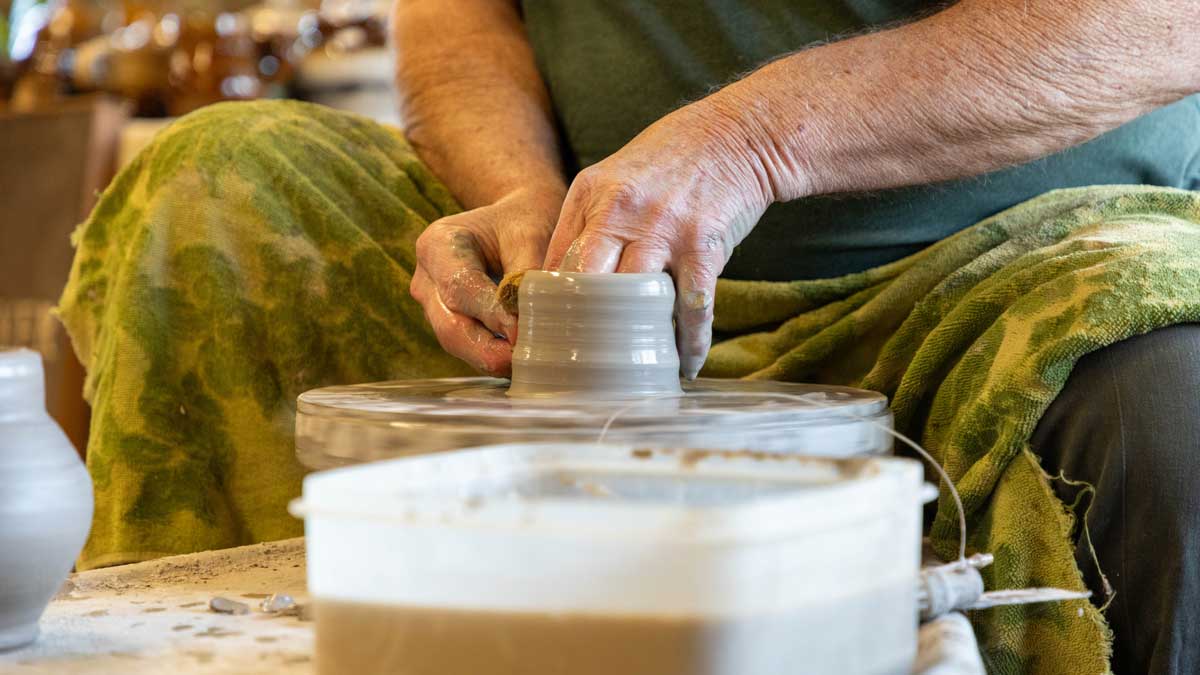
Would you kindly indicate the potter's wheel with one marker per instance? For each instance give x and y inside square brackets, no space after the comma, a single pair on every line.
[590,347]
[366,422]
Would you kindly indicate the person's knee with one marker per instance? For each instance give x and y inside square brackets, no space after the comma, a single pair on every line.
[222,135]
[233,118]
[1128,423]
[1155,411]
[1138,396]
[234,154]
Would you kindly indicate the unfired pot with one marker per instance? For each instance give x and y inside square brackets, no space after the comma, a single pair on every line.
[45,499]
[600,336]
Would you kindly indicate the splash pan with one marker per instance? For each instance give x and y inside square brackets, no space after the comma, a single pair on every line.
[343,425]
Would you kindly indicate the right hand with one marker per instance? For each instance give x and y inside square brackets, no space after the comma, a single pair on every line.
[457,257]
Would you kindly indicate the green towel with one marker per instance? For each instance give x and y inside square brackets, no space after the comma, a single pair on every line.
[257,250]
[251,252]
[972,339]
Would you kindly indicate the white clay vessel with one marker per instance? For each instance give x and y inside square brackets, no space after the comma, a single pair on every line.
[604,336]
[45,499]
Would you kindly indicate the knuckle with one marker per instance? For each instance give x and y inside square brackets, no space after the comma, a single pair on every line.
[705,242]
[432,241]
[448,246]
[655,222]
[697,311]
[660,214]
[712,241]
[586,179]
[624,196]
[459,238]
[625,215]
[454,295]
[693,325]
[659,239]
[424,243]
[696,344]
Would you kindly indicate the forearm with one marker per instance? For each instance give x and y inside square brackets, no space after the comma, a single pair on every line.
[979,86]
[472,101]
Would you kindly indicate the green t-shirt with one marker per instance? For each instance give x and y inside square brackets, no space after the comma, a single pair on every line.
[615,66]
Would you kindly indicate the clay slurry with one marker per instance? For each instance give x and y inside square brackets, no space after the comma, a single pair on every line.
[369,638]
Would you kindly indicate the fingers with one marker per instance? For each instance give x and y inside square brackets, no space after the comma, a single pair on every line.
[452,260]
[521,256]
[583,243]
[695,289]
[473,294]
[461,336]
[570,224]
[593,252]
[644,256]
[609,225]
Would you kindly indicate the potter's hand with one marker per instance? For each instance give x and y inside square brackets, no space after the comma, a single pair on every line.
[456,257]
[678,197]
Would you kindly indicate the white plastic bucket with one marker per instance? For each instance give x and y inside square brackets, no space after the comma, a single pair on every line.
[744,563]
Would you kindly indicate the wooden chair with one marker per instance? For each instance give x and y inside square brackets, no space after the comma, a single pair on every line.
[53,164]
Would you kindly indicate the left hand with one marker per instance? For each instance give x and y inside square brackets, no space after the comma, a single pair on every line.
[678,197]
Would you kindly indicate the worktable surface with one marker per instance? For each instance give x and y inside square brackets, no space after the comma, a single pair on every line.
[153,617]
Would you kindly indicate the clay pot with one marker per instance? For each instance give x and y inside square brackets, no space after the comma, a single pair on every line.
[604,336]
[45,499]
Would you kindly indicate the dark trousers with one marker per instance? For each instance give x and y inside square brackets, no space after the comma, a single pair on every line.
[1128,423]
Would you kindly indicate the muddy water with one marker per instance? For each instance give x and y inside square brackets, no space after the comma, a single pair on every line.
[363,638]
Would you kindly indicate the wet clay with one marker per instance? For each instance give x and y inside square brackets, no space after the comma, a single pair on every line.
[602,336]
[366,638]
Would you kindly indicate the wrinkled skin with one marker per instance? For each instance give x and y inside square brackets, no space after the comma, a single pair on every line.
[678,197]
[987,84]
[457,258]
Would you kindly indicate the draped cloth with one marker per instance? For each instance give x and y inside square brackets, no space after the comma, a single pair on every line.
[257,250]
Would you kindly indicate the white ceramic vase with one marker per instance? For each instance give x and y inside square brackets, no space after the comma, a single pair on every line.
[605,336]
[45,499]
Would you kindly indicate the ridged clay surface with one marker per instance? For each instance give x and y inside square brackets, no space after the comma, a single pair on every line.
[603,336]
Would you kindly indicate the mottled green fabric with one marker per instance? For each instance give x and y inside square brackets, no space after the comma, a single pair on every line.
[253,251]
[972,339]
[256,250]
